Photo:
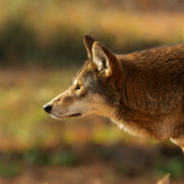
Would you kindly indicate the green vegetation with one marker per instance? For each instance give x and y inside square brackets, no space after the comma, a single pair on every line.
[9,170]
[24,121]
[29,136]
[50,33]
[41,49]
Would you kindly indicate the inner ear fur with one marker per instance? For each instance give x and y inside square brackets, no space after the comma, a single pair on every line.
[104,59]
[88,42]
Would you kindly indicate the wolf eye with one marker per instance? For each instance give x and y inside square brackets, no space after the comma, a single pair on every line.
[78,86]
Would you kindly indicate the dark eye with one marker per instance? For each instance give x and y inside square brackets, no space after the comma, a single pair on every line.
[78,87]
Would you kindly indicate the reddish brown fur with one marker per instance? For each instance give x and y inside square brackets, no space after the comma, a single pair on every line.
[153,87]
[142,91]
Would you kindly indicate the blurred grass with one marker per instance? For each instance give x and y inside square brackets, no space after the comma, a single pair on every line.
[23,120]
[39,37]
[50,33]
[29,136]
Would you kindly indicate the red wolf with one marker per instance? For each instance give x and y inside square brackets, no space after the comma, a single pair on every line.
[143,92]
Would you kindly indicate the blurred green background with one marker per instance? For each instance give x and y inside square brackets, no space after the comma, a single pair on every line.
[41,48]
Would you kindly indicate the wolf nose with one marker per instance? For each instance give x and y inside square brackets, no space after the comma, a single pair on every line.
[47,108]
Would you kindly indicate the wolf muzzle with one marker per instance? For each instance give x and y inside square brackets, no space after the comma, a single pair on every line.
[47,108]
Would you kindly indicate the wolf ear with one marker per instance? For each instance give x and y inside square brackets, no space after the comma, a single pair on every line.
[88,42]
[104,59]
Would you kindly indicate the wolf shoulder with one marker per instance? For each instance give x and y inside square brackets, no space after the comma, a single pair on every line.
[155,78]
[164,62]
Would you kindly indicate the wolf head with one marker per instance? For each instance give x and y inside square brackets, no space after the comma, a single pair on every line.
[95,88]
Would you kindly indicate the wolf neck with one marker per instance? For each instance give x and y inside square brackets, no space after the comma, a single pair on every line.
[139,104]
[149,90]
[150,86]
[135,93]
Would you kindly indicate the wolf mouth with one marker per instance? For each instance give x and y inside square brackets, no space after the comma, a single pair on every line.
[75,115]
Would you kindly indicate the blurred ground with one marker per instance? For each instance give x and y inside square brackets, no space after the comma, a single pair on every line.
[49,33]
[90,174]
[41,49]
[31,139]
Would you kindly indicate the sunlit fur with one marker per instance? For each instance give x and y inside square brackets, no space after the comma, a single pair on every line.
[142,92]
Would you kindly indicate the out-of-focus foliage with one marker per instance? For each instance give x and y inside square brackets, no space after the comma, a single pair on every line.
[49,33]
[24,121]
[29,136]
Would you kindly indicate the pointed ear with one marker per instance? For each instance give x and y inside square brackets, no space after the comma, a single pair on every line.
[104,59]
[88,42]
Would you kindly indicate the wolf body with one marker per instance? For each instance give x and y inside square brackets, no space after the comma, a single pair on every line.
[143,92]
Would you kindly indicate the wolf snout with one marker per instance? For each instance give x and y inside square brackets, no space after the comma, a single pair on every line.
[47,108]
